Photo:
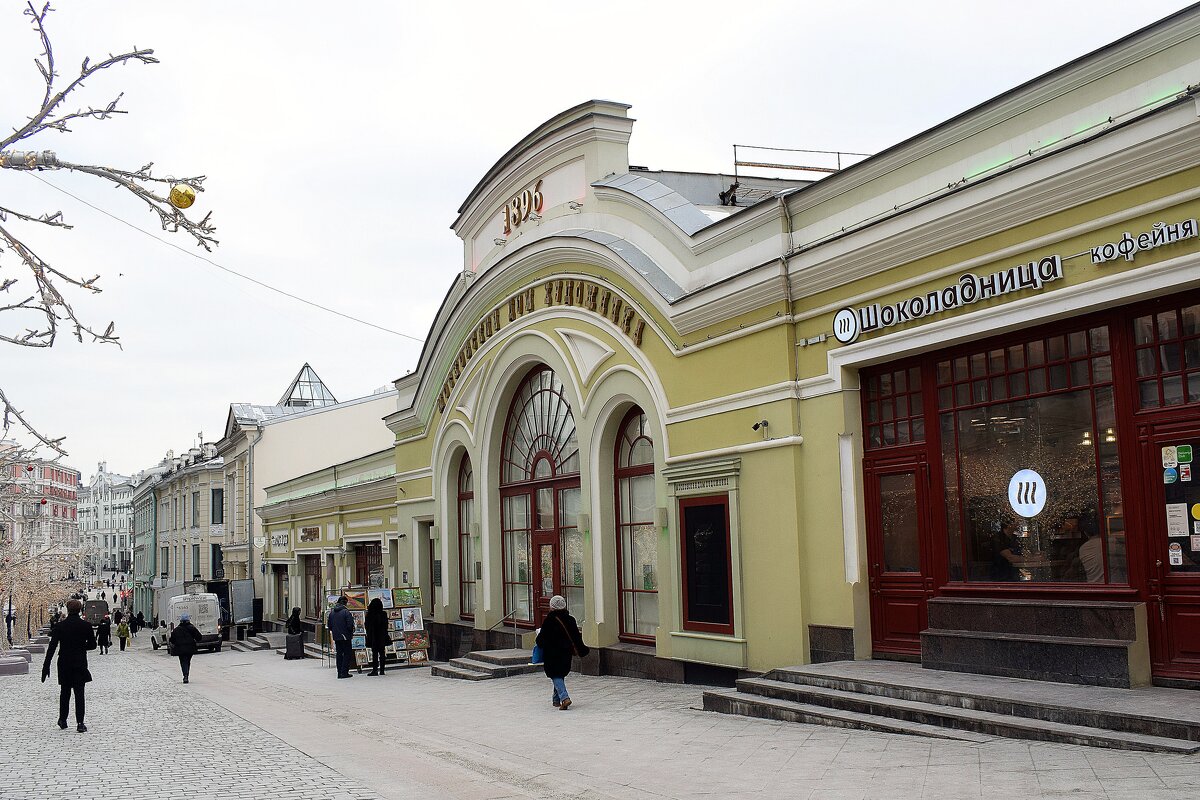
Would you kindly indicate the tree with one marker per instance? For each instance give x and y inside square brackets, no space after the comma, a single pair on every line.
[34,306]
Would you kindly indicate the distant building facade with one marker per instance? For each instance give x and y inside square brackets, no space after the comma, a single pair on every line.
[39,505]
[105,515]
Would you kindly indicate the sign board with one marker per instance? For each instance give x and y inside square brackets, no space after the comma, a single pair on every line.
[242,600]
[1027,493]
[312,534]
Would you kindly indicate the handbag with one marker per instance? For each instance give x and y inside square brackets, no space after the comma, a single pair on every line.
[536,656]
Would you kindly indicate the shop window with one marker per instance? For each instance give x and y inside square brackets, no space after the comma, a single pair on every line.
[637,539]
[468,559]
[1167,357]
[707,564]
[892,407]
[1045,405]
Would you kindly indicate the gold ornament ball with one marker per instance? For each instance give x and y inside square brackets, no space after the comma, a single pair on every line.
[182,195]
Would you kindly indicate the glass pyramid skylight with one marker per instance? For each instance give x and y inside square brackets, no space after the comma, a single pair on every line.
[307,391]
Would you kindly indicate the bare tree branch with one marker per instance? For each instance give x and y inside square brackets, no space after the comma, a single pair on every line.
[39,291]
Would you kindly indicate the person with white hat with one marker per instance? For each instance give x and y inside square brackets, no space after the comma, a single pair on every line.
[560,640]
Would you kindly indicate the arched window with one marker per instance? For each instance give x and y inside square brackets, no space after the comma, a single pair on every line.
[539,496]
[637,540]
[468,558]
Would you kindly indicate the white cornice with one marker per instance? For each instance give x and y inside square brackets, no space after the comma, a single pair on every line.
[787,390]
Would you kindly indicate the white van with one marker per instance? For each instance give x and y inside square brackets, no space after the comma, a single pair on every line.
[204,611]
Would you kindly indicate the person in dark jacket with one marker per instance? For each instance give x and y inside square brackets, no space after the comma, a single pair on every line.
[341,627]
[560,639]
[139,622]
[184,641]
[295,636]
[72,638]
[377,636]
[104,635]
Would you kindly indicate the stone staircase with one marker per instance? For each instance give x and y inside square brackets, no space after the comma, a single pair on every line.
[904,698]
[482,665]
[263,641]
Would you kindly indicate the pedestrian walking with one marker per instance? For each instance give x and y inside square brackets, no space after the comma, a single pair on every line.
[72,638]
[123,634]
[295,637]
[139,622]
[184,639]
[377,636]
[560,639]
[104,635]
[341,627]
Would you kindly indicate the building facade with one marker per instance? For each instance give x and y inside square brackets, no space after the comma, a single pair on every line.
[939,405]
[267,445]
[189,519]
[331,528]
[106,515]
[39,504]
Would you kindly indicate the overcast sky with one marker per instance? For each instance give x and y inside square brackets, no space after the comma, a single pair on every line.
[338,140]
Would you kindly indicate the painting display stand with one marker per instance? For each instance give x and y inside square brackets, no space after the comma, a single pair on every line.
[406,625]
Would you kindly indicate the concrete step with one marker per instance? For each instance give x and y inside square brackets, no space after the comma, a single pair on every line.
[1063,659]
[258,642]
[492,669]
[243,647]
[505,658]
[959,719]
[731,701]
[461,673]
[1040,700]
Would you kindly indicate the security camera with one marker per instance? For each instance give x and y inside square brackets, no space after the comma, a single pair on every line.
[761,424]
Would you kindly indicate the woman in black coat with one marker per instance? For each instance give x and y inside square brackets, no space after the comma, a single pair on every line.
[184,643]
[72,638]
[295,636]
[560,639]
[104,635]
[377,635]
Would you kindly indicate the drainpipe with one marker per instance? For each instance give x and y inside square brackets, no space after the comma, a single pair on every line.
[787,281]
[250,515]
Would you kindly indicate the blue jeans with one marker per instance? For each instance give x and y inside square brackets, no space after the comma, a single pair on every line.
[560,690]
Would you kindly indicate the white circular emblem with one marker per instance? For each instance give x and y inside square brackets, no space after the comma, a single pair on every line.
[846,326]
[1027,493]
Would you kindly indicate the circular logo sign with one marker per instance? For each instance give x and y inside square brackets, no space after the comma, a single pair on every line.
[1027,493]
[846,327]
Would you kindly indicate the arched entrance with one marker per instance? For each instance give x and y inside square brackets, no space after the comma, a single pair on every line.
[539,501]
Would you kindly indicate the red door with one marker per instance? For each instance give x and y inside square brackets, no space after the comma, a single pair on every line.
[898,549]
[547,579]
[1171,463]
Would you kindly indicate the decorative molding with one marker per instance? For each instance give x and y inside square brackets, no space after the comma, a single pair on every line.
[468,396]
[787,390]
[586,351]
[766,444]
[364,523]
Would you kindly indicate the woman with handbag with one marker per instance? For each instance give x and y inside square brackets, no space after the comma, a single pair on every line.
[559,640]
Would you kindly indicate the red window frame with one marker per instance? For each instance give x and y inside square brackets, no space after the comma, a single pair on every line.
[466,569]
[893,409]
[366,556]
[1151,358]
[696,625]
[620,473]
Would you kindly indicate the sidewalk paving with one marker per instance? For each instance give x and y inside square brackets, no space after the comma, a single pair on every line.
[273,725]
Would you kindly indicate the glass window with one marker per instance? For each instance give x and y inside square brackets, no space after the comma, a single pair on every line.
[217,510]
[1067,439]
[1167,352]
[707,578]
[468,559]
[571,551]
[899,513]
[637,539]
[892,404]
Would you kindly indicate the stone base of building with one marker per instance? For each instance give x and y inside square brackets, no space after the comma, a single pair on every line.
[456,639]
[1099,643]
